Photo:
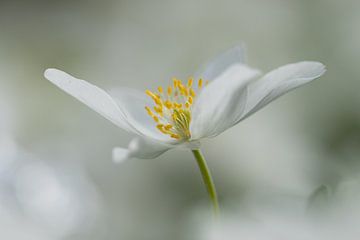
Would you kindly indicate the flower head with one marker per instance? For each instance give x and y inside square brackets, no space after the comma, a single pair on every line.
[172,109]
[225,92]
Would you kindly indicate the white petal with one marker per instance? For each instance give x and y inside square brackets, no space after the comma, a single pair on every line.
[221,102]
[278,82]
[92,96]
[219,64]
[120,154]
[133,103]
[140,148]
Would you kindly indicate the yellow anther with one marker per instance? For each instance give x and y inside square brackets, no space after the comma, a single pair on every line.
[200,83]
[169,90]
[172,107]
[158,101]
[180,83]
[149,111]
[158,109]
[168,127]
[175,82]
[150,94]
[161,128]
[190,100]
[182,88]
[207,82]
[155,97]
[168,104]
[175,136]
[192,92]
[156,119]
[190,82]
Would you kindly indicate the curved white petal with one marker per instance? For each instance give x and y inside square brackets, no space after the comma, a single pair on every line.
[278,82]
[120,155]
[133,103]
[90,95]
[140,148]
[221,102]
[219,64]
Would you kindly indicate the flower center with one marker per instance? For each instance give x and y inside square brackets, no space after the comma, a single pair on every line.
[172,109]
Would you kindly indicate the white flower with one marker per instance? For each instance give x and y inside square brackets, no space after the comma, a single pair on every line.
[225,92]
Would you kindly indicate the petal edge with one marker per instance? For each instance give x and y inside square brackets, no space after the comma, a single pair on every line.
[91,95]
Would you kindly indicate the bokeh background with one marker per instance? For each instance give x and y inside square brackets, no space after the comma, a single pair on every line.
[57,180]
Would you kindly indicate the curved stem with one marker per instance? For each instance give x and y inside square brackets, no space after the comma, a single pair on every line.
[206,176]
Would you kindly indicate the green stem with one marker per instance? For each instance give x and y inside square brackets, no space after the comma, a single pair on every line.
[206,175]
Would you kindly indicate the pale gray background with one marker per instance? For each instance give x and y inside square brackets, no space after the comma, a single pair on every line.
[309,137]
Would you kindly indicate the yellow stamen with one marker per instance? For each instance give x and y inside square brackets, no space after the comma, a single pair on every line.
[200,83]
[150,94]
[183,90]
[175,136]
[172,111]
[192,92]
[169,90]
[168,127]
[190,100]
[158,101]
[161,128]
[155,97]
[180,83]
[168,104]
[175,82]
[190,82]
[149,111]
[158,109]
[156,119]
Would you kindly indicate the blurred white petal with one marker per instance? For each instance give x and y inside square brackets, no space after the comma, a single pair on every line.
[120,154]
[140,148]
[219,64]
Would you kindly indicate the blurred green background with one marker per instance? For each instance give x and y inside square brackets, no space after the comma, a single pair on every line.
[306,138]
